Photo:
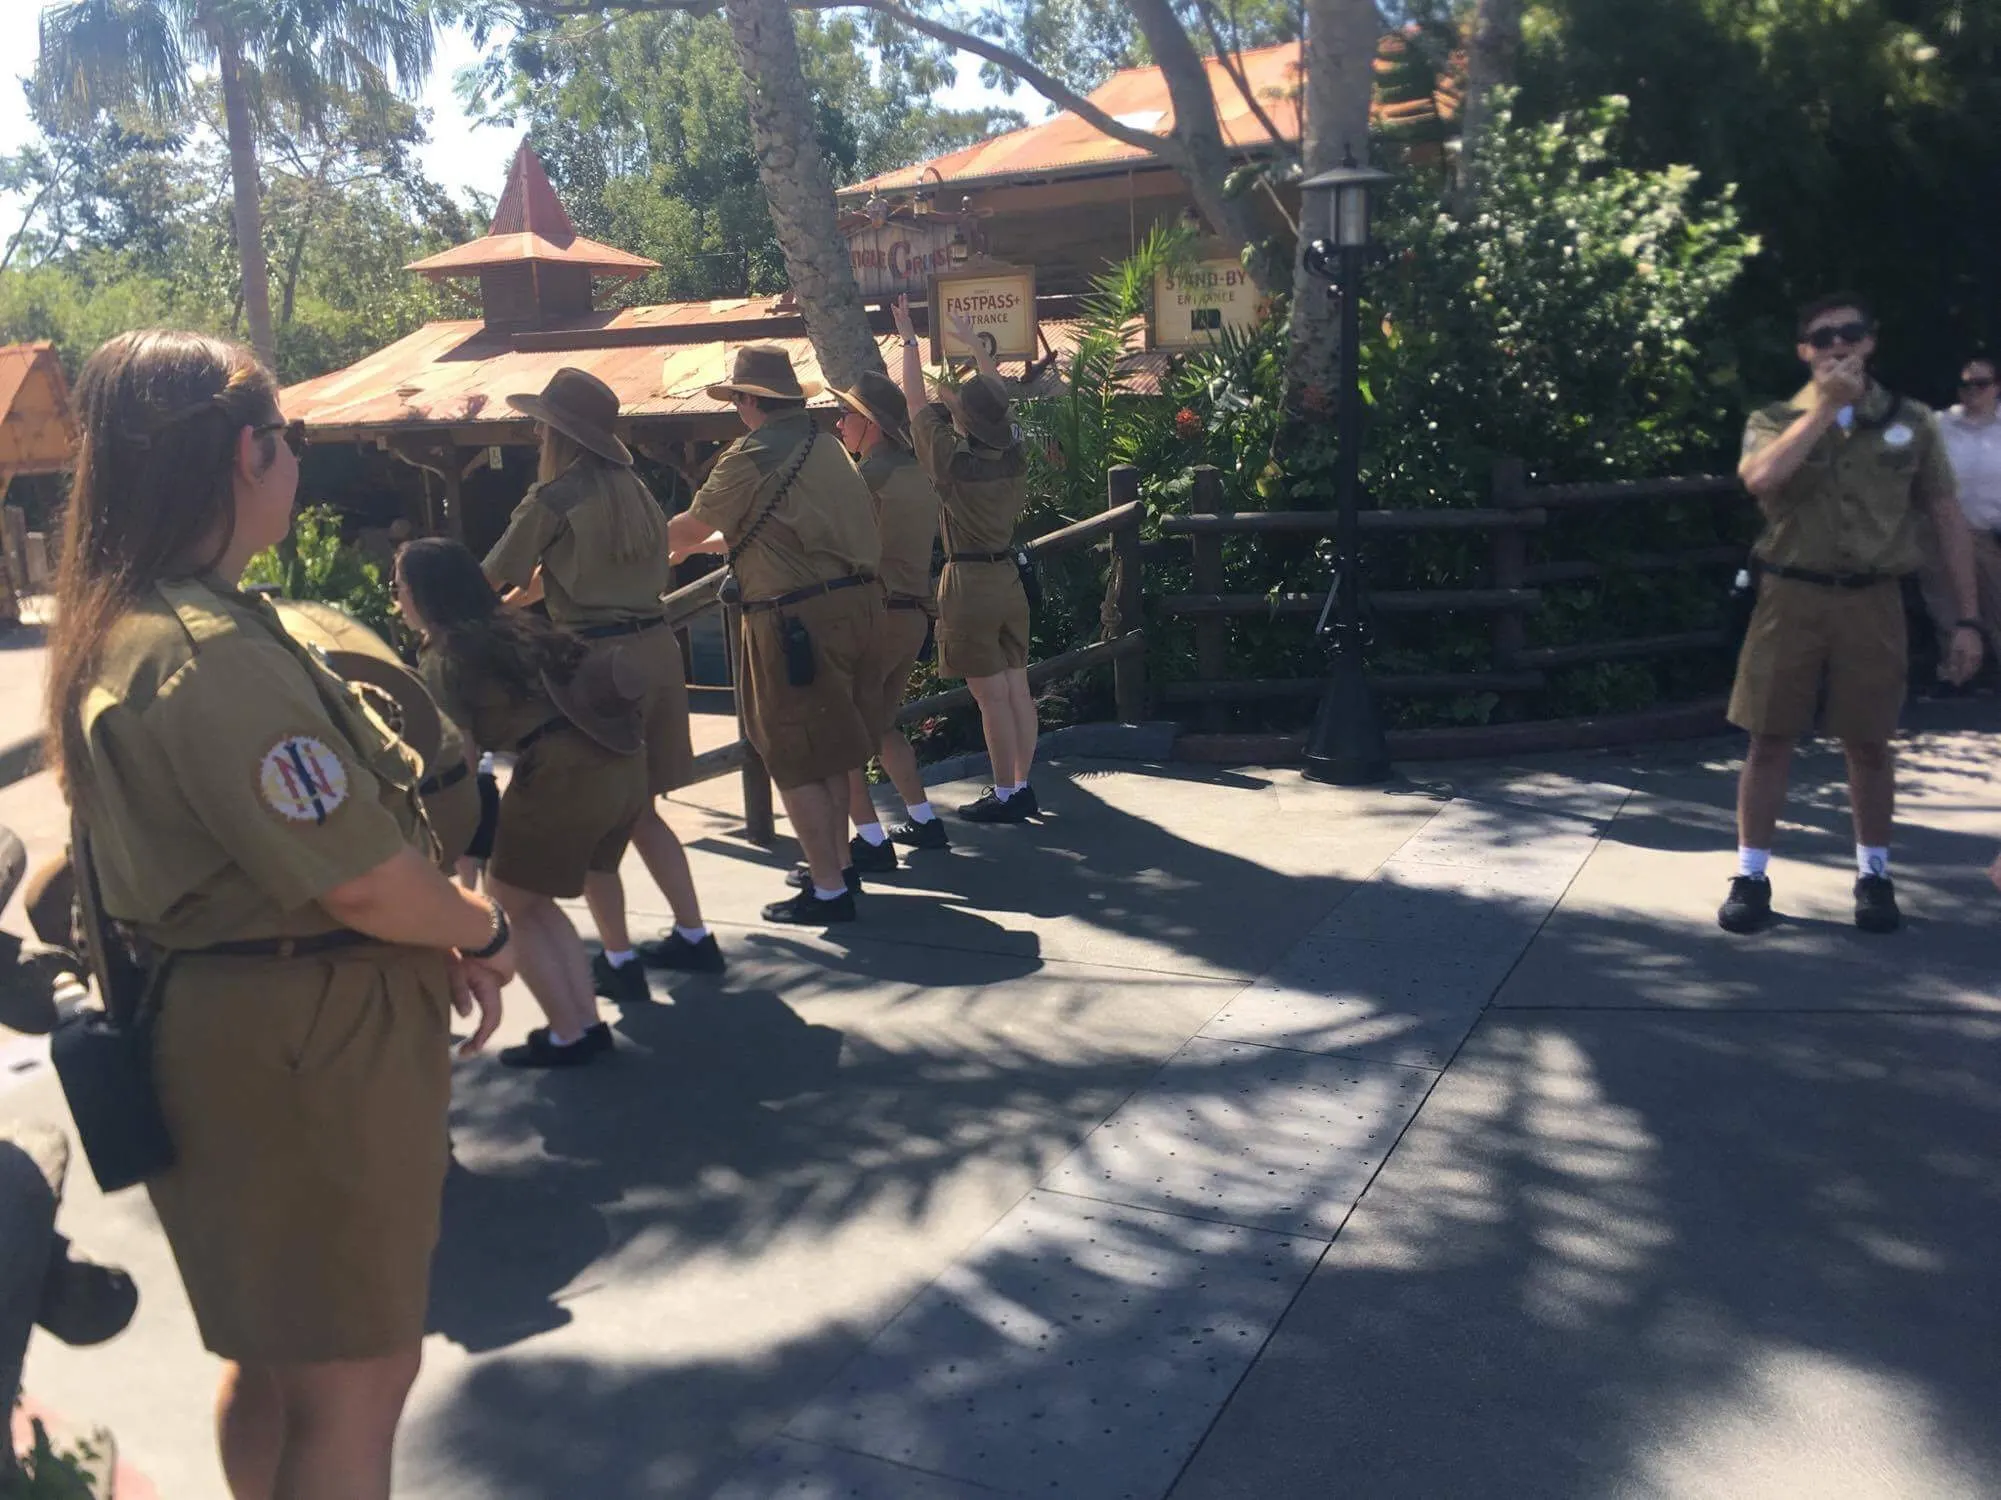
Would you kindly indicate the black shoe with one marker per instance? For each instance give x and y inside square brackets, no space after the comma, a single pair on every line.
[1876,904]
[539,1052]
[1024,801]
[625,984]
[991,809]
[1749,905]
[675,952]
[920,835]
[808,910]
[801,879]
[871,859]
[84,1303]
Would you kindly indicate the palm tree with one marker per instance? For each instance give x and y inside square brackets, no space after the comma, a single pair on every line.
[99,56]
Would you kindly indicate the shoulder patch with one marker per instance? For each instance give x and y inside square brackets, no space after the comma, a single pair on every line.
[302,780]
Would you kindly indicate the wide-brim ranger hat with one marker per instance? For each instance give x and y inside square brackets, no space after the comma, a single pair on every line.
[605,698]
[362,659]
[579,404]
[882,401]
[764,370]
[980,411]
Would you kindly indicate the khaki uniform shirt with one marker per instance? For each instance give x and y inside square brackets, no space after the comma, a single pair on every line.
[824,528]
[229,779]
[906,518]
[564,527]
[496,714]
[983,492]
[1853,506]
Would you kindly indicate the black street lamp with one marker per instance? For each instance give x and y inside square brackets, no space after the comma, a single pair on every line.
[1346,746]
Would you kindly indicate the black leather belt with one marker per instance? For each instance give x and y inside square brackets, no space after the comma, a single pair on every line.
[1828,580]
[521,746]
[623,627]
[288,947]
[908,601]
[800,596]
[444,781]
[1006,555]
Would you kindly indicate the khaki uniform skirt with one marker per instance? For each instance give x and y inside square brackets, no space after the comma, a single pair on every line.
[899,640]
[827,729]
[567,812]
[982,619]
[670,756]
[306,1099]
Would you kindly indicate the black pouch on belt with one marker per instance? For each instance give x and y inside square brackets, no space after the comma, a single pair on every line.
[1031,584]
[798,642]
[104,1058]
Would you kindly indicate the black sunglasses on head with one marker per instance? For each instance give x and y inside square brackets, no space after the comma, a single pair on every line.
[1830,334]
[295,435]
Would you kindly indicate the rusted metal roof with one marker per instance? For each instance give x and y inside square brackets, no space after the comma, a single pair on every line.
[531,225]
[37,431]
[1068,146]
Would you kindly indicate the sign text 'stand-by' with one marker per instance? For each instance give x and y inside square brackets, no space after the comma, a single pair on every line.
[1193,303]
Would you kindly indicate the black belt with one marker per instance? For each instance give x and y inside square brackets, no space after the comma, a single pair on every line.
[1006,555]
[1828,580]
[800,596]
[623,627]
[288,947]
[908,601]
[444,781]
[521,745]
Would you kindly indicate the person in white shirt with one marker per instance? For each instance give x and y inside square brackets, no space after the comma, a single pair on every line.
[1972,433]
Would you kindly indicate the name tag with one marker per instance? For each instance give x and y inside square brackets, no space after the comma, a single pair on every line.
[1897,435]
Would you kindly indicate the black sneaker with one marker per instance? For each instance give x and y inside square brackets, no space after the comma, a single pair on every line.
[808,910]
[625,984]
[929,835]
[1024,802]
[1749,905]
[871,859]
[801,879]
[539,1052]
[1876,904]
[675,952]
[991,809]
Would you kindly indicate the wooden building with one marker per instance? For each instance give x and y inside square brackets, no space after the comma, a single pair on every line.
[37,438]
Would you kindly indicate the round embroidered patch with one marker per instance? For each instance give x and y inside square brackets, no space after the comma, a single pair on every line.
[302,780]
[1898,436]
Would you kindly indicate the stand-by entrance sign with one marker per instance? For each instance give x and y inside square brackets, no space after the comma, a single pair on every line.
[999,301]
[1195,302]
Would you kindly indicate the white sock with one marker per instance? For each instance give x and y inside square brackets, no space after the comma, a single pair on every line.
[825,895]
[1752,862]
[920,812]
[1003,792]
[691,934]
[1019,786]
[556,1041]
[872,834]
[1871,861]
[619,959]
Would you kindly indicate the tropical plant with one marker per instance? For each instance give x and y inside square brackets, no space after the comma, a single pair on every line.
[102,56]
[313,562]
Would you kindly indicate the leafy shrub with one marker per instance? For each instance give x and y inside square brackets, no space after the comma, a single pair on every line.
[313,562]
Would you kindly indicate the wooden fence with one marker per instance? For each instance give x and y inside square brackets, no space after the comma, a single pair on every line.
[1514,589]
[1121,642]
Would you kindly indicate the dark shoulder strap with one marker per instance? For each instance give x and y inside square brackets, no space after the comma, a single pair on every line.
[121,980]
[797,463]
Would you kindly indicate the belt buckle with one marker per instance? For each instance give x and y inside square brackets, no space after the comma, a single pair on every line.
[287,947]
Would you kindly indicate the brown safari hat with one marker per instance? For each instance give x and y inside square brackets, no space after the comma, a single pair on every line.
[882,401]
[578,403]
[605,698]
[362,659]
[980,411]
[763,370]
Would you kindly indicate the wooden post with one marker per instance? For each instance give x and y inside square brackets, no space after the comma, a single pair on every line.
[1212,639]
[455,514]
[758,823]
[1124,598]
[1510,561]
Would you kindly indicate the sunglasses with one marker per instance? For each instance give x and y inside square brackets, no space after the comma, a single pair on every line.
[295,435]
[1827,336]
[1977,383]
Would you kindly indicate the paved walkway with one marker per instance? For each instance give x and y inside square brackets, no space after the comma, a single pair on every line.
[1253,1138]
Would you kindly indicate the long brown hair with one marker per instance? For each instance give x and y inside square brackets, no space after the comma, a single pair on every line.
[475,634]
[638,526]
[152,498]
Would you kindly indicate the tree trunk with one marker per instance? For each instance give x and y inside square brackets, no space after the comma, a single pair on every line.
[1207,163]
[249,209]
[799,191]
[1494,44]
[1342,38]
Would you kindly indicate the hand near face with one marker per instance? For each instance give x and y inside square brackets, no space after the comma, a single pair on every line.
[1840,380]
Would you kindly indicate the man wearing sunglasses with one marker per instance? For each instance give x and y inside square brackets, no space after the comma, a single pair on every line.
[1972,433]
[1844,472]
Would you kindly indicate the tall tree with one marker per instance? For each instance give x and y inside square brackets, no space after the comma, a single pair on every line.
[1493,45]
[99,56]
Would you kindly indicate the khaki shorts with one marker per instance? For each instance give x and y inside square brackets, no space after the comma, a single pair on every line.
[982,620]
[453,813]
[670,756]
[567,812]
[897,644]
[1806,637]
[825,730]
[306,1100]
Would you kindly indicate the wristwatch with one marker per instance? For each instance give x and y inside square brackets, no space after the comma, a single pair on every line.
[1966,625]
[500,934]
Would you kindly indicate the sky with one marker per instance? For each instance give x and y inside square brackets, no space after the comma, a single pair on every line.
[461,153]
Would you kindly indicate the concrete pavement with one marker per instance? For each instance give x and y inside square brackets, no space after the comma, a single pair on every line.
[1252,1137]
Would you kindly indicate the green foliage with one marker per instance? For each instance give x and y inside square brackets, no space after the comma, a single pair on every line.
[313,562]
[49,1473]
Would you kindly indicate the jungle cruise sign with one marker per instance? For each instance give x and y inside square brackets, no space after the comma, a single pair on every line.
[901,255]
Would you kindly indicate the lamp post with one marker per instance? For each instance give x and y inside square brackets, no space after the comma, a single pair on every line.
[1346,745]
